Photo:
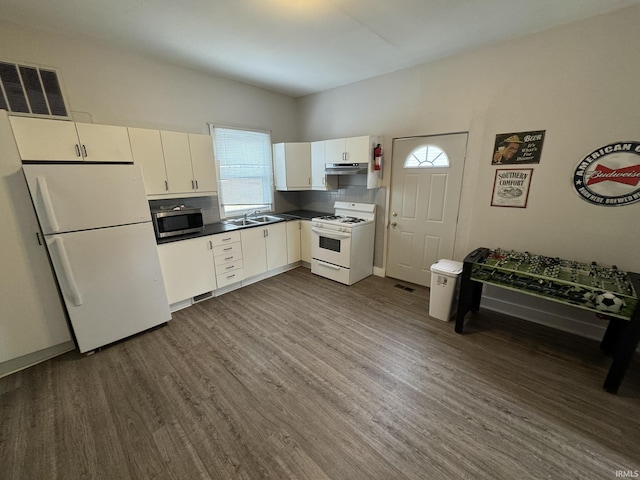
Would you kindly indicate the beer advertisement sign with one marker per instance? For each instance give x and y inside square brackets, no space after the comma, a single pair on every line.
[610,175]
[518,148]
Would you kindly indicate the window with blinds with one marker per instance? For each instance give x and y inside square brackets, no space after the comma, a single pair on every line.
[245,165]
[31,90]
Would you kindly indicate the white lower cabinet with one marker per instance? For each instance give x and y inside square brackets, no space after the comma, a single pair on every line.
[305,240]
[293,241]
[264,248]
[220,263]
[187,268]
[227,257]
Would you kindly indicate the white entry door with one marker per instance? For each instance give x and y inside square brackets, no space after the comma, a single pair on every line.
[426,179]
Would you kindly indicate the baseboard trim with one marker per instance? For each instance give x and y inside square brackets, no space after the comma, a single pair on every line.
[16,364]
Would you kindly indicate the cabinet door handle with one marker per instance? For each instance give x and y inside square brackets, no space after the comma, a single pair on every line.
[227,249]
[84,151]
[166,186]
[210,245]
[78,154]
[193,185]
[196,184]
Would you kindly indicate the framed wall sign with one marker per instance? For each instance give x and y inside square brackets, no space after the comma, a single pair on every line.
[511,187]
[610,175]
[518,148]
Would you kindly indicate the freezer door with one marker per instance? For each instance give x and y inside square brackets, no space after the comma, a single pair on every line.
[80,197]
[111,282]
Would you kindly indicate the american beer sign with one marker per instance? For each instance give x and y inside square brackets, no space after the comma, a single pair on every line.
[610,175]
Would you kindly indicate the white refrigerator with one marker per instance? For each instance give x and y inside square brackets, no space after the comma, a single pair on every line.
[97,226]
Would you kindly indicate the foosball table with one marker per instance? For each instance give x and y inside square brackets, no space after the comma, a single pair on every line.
[607,291]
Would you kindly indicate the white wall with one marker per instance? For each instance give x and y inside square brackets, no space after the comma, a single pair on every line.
[578,82]
[109,86]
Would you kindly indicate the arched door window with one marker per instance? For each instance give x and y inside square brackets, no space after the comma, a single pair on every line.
[427,156]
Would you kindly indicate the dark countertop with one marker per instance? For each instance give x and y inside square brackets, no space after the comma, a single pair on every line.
[221,227]
[303,214]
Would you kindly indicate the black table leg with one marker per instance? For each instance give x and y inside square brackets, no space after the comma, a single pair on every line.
[469,300]
[628,339]
[613,334]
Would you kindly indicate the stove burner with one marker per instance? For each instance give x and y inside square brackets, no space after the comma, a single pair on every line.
[342,219]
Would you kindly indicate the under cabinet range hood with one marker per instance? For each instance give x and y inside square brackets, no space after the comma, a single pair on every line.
[345,168]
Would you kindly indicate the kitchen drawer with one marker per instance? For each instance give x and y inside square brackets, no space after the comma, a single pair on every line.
[227,257]
[228,267]
[225,238]
[227,249]
[230,278]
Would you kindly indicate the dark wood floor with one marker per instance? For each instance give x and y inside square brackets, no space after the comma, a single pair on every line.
[278,381]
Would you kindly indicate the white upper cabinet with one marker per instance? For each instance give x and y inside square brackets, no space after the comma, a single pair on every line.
[147,152]
[177,159]
[41,139]
[349,150]
[202,163]
[104,143]
[292,166]
[320,181]
[174,163]
[354,150]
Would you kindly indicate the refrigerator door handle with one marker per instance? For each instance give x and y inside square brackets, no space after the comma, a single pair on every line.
[67,273]
[49,212]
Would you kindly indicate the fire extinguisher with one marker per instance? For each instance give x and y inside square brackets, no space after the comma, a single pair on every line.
[377,158]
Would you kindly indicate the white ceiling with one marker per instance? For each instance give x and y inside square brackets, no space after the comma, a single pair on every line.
[298,47]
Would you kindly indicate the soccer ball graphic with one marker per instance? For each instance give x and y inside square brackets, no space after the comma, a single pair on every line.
[608,302]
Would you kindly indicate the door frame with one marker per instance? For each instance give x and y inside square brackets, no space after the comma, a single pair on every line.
[388,165]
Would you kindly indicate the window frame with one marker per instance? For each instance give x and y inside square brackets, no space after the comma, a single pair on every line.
[425,164]
[224,210]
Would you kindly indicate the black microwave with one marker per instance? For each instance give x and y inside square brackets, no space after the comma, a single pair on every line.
[170,222]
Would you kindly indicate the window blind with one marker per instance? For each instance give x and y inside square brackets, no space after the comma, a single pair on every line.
[245,165]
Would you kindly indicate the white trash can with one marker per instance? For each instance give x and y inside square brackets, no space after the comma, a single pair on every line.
[444,288]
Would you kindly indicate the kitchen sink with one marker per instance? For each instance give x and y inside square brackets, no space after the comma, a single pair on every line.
[241,222]
[265,219]
[252,221]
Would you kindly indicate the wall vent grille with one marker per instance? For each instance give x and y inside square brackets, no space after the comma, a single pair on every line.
[31,90]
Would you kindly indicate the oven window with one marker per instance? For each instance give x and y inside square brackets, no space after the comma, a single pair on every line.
[330,244]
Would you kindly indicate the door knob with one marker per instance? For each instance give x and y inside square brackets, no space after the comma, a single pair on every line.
[394,214]
[393,224]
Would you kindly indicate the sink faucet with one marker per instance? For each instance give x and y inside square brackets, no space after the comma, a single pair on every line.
[246,214]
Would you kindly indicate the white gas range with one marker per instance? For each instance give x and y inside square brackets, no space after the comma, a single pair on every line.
[342,244]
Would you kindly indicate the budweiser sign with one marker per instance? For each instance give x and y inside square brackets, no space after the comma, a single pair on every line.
[610,175]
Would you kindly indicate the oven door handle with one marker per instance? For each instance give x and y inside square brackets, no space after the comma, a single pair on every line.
[330,233]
